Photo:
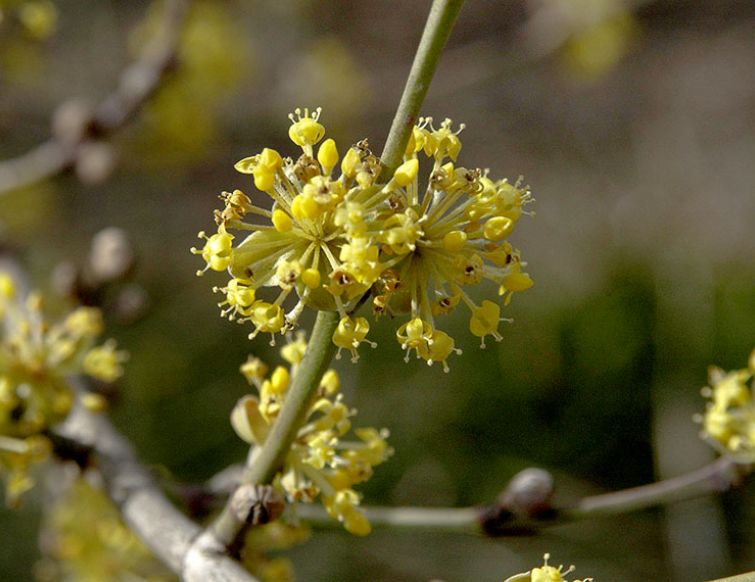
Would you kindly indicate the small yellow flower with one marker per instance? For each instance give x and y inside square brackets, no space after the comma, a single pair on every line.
[406,173]
[253,370]
[349,334]
[414,335]
[438,348]
[104,362]
[84,322]
[327,155]
[330,384]
[216,251]
[267,318]
[343,506]
[729,419]
[293,351]
[239,299]
[305,130]
[484,320]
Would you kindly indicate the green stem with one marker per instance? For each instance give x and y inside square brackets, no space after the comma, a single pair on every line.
[442,16]
[271,456]
[320,352]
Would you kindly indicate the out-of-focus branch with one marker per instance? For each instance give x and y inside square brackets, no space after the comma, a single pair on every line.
[511,519]
[445,519]
[539,37]
[137,83]
[89,439]
[748,577]
[716,477]
[174,538]
[551,24]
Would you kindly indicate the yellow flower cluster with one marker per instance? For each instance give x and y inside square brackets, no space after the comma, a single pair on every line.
[35,358]
[335,240]
[545,573]
[86,540]
[320,463]
[729,419]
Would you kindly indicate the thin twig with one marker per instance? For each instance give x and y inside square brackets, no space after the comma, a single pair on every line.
[495,520]
[138,82]
[440,21]
[446,519]
[718,476]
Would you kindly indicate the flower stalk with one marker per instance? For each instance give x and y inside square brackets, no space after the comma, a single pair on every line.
[440,21]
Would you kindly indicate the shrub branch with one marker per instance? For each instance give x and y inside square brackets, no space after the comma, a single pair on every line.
[138,82]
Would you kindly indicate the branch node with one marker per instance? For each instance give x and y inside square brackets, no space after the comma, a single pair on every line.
[529,493]
[72,122]
[521,507]
[257,504]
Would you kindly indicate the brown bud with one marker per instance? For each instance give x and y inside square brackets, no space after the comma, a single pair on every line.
[306,168]
[257,504]
[95,161]
[111,255]
[529,493]
[72,121]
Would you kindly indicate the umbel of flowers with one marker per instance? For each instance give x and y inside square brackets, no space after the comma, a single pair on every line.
[729,419]
[333,241]
[35,359]
[320,462]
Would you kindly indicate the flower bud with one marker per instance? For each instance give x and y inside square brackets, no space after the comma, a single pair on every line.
[529,493]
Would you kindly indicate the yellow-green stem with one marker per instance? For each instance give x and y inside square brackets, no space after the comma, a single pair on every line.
[440,21]
[317,358]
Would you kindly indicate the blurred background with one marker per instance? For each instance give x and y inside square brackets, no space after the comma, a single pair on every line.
[634,124]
